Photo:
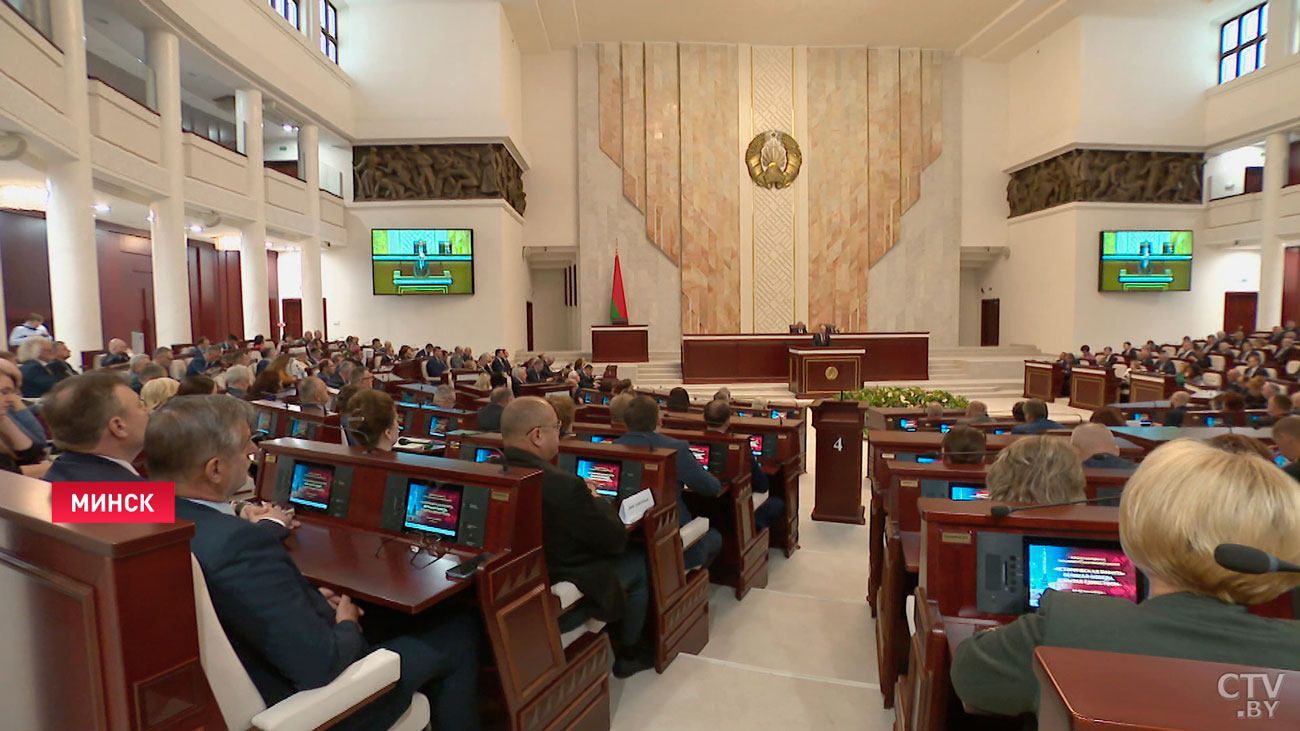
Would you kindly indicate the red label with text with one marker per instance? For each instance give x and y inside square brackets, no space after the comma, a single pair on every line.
[113,502]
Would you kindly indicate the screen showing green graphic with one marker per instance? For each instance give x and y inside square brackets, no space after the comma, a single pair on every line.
[1145,261]
[422,260]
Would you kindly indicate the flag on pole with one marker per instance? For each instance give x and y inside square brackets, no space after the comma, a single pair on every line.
[617,302]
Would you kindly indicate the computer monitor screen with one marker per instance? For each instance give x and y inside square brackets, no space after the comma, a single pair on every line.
[962,491]
[1211,421]
[1280,460]
[756,444]
[701,454]
[483,454]
[439,427]
[263,421]
[310,486]
[1001,431]
[432,507]
[422,261]
[776,414]
[600,439]
[1078,566]
[926,459]
[944,428]
[907,424]
[300,429]
[741,413]
[602,474]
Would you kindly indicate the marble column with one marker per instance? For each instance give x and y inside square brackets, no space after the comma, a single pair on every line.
[171,281]
[70,219]
[252,250]
[313,313]
[1271,252]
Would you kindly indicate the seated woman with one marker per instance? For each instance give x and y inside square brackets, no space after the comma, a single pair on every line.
[679,401]
[1108,416]
[1036,470]
[1255,397]
[1185,499]
[159,391]
[371,420]
[566,410]
[16,448]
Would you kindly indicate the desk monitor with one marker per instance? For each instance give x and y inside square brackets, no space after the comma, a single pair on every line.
[433,508]
[907,424]
[265,421]
[312,486]
[601,473]
[483,454]
[1280,460]
[438,427]
[604,400]
[943,428]
[1078,566]
[701,454]
[712,457]
[775,414]
[1001,431]
[756,444]
[601,438]
[967,491]
[926,458]
[615,479]
[409,404]
[741,413]
[300,429]
[1211,421]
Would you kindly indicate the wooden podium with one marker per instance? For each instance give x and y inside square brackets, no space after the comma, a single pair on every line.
[839,461]
[1144,386]
[825,371]
[620,343]
[1043,380]
[1093,388]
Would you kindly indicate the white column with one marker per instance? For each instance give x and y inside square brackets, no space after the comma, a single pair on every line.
[1281,29]
[1271,254]
[171,281]
[70,218]
[313,314]
[309,17]
[252,252]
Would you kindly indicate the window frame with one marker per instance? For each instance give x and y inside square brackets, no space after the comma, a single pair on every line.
[329,32]
[1259,44]
[281,8]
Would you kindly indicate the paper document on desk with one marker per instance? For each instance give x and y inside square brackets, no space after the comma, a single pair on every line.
[635,506]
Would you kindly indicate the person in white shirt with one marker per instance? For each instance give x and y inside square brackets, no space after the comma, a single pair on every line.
[33,326]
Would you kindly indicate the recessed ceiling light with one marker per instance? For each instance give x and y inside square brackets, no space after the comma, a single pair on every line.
[103,208]
[196,229]
[288,128]
[149,217]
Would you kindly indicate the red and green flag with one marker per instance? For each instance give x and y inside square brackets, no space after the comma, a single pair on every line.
[617,301]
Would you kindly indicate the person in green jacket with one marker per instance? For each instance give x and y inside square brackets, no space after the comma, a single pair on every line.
[1186,498]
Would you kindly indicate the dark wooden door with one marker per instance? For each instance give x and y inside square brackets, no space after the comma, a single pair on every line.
[291,310]
[990,317]
[1239,310]
[528,314]
[1291,285]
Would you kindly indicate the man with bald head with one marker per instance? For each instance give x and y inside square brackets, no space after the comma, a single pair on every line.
[117,354]
[1096,447]
[584,540]
[1177,410]
[313,396]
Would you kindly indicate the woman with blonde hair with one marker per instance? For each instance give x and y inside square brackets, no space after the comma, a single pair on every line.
[565,409]
[1185,499]
[1036,469]
[158,391]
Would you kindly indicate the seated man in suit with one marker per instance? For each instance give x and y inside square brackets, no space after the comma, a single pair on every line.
[1286,435]
[584,540]
[1286,351]
[1096,447]
[1165,365]
[39,372]
[1254,367]
[313,397]
[238,380]
[1036,420]
[150,372]
[717,418]
[587,376]
[1279,406]
[489,416]
[211,359]
[288,635]
[1186,498]
[436,364]
[643,419]
[977,412]
[100,422]
[964,445]
[118,354]
[328,372]
[799,328]
[822,338]
[1177,409]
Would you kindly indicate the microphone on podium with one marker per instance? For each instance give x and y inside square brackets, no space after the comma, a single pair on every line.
[1250,560]
[1002,511]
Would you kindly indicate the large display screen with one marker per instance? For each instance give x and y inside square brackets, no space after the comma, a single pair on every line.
[311,484]
[422,260]
[602,474]
[432,507]
[1079,567]
[1145,261]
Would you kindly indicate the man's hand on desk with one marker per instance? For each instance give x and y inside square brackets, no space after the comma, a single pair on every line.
[257,512]
[344,609]
[591,488]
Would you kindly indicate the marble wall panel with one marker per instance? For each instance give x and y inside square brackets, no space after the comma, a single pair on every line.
[883,100]
[663,189]
[932,105]
[772,107]
[909,126]
[710,180]
[609,69]
[837,168]
[633,79]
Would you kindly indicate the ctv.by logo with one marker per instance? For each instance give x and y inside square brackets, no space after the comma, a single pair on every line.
[1261,691]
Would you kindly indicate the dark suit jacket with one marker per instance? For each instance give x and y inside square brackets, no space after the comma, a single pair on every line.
[198,367]
[821,341]
[489,417]
[1110,462]
[113,359]
[994,671]
[82,467]
[689,471]
[281,627]
[38,378]
[532,375]
[586,381]
[1174,417]
[1293,469]
[501,365]
[435,367]
[1035,427]
[1168,368]
[581,534]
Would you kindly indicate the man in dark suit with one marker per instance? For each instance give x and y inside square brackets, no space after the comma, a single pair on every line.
[1165,365]
[117,354]
[39,372]
[643,419]
[533,373]
[587,377]
[1036,420]
[1253,367]
[501,363]
[822,338]
[489,416]
[585,541]
[1286,351]
[1286,435]
[1177,409]
[288,635]
[717,418]
[436,365]
[60,363]
[201,365]
[100,422]
[799,329]
[1096,447]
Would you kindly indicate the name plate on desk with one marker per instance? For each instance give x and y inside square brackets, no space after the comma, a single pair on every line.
[635,506]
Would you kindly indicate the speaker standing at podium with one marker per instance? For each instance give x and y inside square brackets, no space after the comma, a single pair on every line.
[1186,494]
[822,338]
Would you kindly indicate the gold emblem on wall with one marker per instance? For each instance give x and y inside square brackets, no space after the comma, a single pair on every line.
[773,159]
[832,373]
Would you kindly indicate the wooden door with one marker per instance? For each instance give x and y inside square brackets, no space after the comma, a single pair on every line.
[291,311]
[1291,284]
[990,317]
[528,314]
[1239,311]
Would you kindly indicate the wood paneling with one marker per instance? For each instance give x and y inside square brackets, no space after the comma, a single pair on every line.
[26,265]
[126,286]
[1290,285]
[273,292]
[762,358]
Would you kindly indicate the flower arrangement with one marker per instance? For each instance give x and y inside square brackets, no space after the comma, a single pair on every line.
[909,396]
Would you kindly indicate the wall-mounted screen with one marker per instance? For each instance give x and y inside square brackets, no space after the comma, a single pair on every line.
[432,507]
[422,261]
[1145,261]
[310,485]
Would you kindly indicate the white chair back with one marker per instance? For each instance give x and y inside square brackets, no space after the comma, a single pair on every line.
[1121,370]
[236,695]
[1213,379]
[179,366]
[1293,366]
[1218,362]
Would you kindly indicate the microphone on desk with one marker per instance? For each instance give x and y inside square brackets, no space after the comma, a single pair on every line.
[1250,560]
[1002,511]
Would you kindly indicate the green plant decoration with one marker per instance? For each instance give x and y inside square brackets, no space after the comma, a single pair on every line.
[909,396]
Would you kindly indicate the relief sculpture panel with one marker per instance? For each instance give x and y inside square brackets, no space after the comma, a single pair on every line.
[1111,176]
[436,172]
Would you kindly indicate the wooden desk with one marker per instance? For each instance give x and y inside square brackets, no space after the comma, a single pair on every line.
[825,371]
[1043,380]
[887,417]
[1150,437]
[620,343]
[764,358]
[1086,689]
[1092,388]
[1144,386]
